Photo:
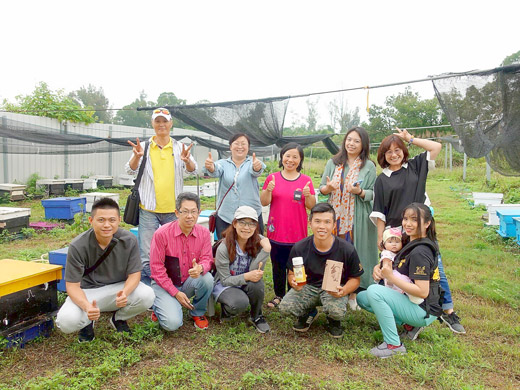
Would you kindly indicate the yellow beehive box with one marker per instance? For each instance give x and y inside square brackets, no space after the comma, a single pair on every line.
[17,275]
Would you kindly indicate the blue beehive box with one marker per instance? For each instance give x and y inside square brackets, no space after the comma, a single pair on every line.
[135,231]
[30,330]
[59,257]
[507,227]
[63,208]
[516,221]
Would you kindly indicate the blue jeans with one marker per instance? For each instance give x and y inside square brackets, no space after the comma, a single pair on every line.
[447,302]
[148,223]
[392,308]
[168,309]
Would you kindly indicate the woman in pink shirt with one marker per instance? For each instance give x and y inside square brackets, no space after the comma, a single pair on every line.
[290,194]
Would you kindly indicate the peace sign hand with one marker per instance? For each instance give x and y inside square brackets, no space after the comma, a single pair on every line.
[137,148]
[332,185]
[185,154]
[403,134]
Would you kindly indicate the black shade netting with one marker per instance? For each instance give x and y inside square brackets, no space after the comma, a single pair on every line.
[18,137]
[262,120]
[484,110]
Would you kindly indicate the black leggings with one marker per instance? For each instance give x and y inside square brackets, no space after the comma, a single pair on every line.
[279,256]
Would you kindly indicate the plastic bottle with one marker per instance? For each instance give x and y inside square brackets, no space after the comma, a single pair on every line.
[299,271]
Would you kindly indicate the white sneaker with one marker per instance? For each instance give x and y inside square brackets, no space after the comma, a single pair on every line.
[353,304]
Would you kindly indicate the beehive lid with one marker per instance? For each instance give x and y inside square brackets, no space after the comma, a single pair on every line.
[11,187]
[509,212]
[101,177]
[13,212]
[70,181]
[49,181]
[17,275]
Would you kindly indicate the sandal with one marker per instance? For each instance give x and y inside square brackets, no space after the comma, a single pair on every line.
[273,303]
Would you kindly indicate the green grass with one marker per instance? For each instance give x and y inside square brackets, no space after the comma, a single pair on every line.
[484,274]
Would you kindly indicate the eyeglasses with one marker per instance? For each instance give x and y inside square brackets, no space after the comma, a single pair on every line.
[189,212]
[243,223]
[161,111]
[389,152]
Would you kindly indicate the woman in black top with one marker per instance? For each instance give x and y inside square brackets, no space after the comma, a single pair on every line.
[418,261]
[402,182]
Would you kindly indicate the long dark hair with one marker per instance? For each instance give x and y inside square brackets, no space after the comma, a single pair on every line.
[341,157]
[423,213]
[230,237]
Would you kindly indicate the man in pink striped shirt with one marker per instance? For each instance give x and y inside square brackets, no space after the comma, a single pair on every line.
[180,261]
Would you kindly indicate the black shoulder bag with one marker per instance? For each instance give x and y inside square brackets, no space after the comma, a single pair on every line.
[102,257]
[131,215]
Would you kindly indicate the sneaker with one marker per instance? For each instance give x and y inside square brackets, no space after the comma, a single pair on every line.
[352,303]
[453,322]
[411,332]
[86,334]
[385,351]
[303,323]
[261,324]
[119,325]
[153,317]
[334,328]
[200,322]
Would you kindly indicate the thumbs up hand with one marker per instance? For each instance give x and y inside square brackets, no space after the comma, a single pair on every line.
[209,164]
[121,299]
[196,270]
[270,186]
[306,190]
[93,311]
[257,164]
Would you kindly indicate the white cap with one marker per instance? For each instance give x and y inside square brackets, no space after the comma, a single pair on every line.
[246,212]
[297,261]
[162,112]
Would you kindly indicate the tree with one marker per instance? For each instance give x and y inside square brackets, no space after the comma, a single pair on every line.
[129,116]
[51,104]
[168,99]
[406,110]
[312,115]
[512,59]
[91,97]
[341,118]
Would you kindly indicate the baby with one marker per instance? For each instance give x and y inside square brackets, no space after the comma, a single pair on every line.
[392,244]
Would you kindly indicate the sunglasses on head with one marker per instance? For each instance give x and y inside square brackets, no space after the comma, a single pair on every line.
[161,110]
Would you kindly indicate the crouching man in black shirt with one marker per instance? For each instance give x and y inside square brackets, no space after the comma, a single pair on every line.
[302,300]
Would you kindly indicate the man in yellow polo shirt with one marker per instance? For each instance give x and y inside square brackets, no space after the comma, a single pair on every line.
[161,183]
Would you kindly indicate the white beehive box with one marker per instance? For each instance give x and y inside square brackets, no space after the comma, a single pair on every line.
[486,198]
[13,191]
[126,180]
[90,184]
[93,196]
[492,212]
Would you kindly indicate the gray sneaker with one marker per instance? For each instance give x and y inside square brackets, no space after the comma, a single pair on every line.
[411,332]
[453,322]
[261,324]
[382,351]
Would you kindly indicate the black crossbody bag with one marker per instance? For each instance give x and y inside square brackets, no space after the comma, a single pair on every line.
[131,215]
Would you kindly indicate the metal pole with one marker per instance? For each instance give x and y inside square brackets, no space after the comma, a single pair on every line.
[451,157]
[4,150]
[446,156]
[488,172]
[110,153]
[464,168]
[66,167]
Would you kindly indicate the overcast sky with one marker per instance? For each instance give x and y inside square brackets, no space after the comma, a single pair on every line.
[231,50]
